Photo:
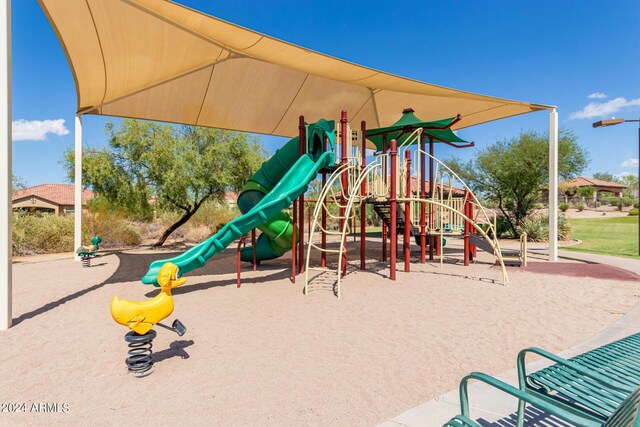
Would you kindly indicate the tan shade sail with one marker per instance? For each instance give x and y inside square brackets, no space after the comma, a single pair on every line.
[158,60]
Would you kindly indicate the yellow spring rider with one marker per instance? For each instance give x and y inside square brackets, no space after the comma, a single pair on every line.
[141,316]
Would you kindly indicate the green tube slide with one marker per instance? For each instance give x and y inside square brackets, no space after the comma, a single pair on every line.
[279,181]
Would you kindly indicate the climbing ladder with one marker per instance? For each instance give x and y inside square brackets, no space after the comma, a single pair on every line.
[333,193]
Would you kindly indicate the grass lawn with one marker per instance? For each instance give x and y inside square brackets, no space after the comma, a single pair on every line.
[610,236]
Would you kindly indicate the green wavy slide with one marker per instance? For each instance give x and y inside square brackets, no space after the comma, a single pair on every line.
[279,181]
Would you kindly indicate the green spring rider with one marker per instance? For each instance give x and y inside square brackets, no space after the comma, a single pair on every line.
[87,252]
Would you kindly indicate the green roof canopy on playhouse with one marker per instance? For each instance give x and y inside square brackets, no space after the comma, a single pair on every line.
[158,60]
[437,130]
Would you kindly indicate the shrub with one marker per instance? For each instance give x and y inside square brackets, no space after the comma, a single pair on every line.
[636,205]
[537,228]
[211,216]
[563,207]
[619,204]
[610,200]
[41,234]
[115,229]
[633,212]
[580,207]
[627,201]
[502,227]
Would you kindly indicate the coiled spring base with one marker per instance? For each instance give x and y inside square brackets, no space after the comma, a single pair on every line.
[140,360]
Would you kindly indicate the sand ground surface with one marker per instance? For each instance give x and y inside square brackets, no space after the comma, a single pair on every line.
[266,354]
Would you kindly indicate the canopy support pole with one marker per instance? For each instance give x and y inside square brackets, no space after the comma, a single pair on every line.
[77,203]
[553,185]
[6,190]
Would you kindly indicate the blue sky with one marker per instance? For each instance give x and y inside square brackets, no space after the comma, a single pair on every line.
[549,52]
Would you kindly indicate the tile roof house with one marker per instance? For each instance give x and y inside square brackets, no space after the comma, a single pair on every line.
[52,198]
[598,184]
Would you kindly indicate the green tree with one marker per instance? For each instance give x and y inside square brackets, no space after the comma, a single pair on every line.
[587,192]
[631,181]
[606,176]
[179,168]
[511,173]
[17,183]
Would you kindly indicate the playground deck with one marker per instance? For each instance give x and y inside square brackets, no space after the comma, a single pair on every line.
[265,353]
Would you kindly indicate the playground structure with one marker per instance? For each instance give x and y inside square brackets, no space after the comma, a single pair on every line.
[386,182]
[447,209]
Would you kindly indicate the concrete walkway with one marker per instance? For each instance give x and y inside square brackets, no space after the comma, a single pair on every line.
[492,408]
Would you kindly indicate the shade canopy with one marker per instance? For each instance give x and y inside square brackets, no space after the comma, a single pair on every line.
[158,60]
[437,130]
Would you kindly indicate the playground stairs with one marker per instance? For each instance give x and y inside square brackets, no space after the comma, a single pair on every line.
[383,210]
[511,257]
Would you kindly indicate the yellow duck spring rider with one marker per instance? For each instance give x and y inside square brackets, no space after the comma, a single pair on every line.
[141,316]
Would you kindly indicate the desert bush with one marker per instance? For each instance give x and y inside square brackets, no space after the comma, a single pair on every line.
[116,230]
[633,212]
[580,207]
[563,207]
[41,234]
[608,200]
[619,204]
[537,228]
[214,214]
[502,227]
[627,201]
[211,216]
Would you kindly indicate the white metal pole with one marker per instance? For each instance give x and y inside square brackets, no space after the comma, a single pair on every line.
[77,208]
[6,189]
[553,185]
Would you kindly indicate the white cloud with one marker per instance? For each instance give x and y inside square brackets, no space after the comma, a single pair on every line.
[599,109]
[597,95]
[623,174]
[630,163]
[37,130]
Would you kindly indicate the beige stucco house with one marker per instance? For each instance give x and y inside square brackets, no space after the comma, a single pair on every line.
[51,198]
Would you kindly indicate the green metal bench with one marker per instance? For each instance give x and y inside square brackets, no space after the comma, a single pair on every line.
[626,415]
[597,381]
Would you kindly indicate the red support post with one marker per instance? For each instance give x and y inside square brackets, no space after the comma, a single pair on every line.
[431,189]
[384,225]
[423,195]
[294,242]
[407,217]
[363,193]
[302,140]
[392,207]
[343,213]
[241,243]
[253,247]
